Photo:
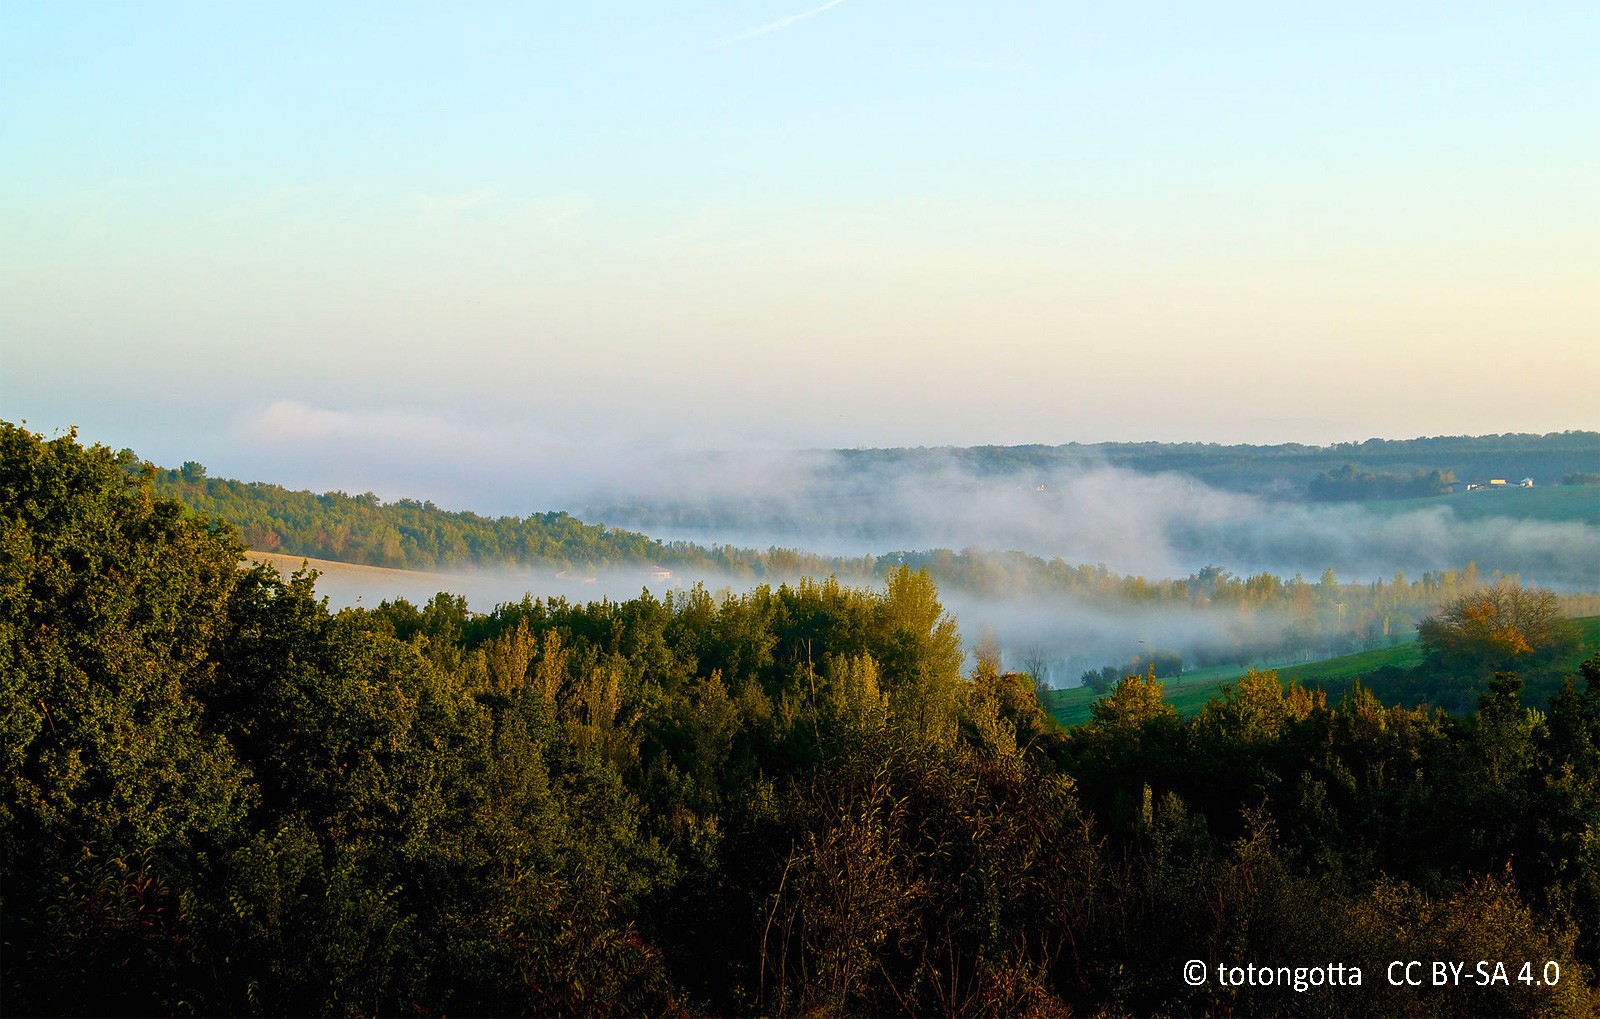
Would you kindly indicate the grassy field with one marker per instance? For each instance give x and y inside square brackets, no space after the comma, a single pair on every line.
[1190,692]
[1557,503]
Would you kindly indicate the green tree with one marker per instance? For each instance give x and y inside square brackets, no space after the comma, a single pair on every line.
[110,601]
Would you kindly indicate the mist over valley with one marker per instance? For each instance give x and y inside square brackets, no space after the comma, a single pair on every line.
[1160,524]
[1067,561]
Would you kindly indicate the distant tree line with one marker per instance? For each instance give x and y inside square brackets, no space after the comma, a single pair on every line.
[219,797]
[1157,664]
[1581,478]
[417,535]
[1349,483]
[1283,468]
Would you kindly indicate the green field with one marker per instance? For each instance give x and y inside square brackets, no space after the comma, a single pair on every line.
[1556,503]
[1190,692]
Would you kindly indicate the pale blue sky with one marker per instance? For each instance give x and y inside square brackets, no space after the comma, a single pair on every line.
[283,238]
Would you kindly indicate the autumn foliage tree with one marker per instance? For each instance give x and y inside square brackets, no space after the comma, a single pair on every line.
[1498,627]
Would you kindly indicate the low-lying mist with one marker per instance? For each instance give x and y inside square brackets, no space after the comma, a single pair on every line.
[1057,638]
[1052,636]
[853,502]
[1155,525]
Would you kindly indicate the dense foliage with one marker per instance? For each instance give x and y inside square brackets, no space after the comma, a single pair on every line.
[221,798]
[1347,483]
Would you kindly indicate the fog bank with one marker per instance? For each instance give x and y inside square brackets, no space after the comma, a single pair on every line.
[1052,636]
[1151,524]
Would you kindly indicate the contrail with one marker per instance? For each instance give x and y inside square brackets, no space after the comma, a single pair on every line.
[780,23]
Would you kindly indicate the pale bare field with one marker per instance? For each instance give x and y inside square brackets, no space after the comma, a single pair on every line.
[346,584]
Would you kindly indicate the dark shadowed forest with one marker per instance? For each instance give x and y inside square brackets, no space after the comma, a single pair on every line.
[220,797]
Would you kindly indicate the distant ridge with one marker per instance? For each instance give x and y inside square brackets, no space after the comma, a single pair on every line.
[407,534]
[1286,467]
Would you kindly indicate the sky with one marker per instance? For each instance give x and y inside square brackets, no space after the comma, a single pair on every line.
[411,247]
